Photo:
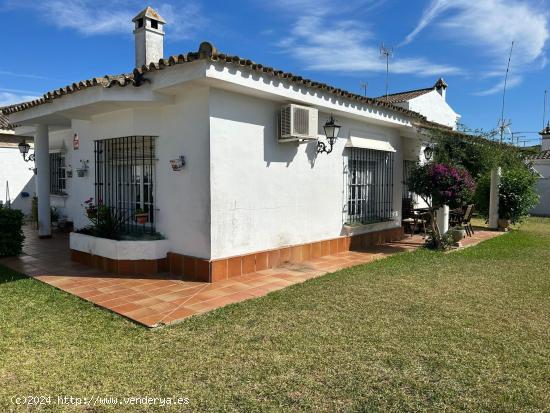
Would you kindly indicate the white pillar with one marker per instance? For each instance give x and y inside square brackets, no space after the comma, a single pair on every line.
[494,195]
[442,219]
[42,161]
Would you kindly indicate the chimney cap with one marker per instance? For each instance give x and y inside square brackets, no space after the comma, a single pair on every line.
[150,13]
[545,131]
[440,84]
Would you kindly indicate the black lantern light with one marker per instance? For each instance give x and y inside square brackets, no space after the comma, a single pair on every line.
[24,149]
[331,132]
[429,152]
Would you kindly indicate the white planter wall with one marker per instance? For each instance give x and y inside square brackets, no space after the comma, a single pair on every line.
[119,250]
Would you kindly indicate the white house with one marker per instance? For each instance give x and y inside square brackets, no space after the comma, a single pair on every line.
[16,176]
[430,102]
[207,146]
[541,162]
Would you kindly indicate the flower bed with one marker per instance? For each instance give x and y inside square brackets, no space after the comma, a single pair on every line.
[120,256]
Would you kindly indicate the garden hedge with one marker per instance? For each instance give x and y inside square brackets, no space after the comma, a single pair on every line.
[11,232]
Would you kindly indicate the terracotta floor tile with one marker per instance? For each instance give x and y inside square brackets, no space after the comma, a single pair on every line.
[125,308]
[178,314]
[149,300]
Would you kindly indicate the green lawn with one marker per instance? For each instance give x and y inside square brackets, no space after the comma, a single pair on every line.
[468,330]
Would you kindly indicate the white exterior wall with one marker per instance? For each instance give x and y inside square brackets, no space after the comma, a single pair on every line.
[434,107]
[266,195]
[15,171]
[240,190]
[182,198]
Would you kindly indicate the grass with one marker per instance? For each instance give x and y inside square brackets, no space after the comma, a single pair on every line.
[418,331]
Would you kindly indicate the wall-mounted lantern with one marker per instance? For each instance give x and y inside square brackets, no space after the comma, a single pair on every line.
[331,132]
[24,150]
[429,152]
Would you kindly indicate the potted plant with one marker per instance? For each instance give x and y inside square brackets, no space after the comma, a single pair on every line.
[458,234]
[90,208]
[141,216]
[106,222]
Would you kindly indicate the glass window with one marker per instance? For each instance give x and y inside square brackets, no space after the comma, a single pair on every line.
[370,186]
[125,179]
[57,174]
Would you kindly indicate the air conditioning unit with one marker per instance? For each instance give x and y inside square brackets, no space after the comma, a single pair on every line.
[298,123]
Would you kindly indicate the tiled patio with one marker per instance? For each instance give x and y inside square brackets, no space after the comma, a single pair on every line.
[164,300]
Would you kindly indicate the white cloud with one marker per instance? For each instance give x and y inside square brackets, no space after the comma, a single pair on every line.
[347,46]
[9,98]
[489,27]
[25,75]
[99,17]
[499,87]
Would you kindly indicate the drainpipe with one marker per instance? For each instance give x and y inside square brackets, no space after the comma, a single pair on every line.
[494,195]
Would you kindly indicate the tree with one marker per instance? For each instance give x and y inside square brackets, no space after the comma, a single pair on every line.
[438,185]
[478,153]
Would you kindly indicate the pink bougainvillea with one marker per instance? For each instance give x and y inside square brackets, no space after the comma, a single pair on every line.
[448,185]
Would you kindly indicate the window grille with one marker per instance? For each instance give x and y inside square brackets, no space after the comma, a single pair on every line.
[369,186]
[57,174]
[125,180]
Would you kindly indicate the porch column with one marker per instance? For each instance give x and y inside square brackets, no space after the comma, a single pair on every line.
[494,195]
[442,219]
[42,162]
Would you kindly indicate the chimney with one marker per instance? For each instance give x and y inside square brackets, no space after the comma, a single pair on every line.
[545,134]
[441,87]
[149,36]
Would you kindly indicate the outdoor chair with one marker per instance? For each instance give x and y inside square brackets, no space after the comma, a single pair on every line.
[411,218]
[462,218]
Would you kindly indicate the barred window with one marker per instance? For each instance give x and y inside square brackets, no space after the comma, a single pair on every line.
[57,174]
[369,186]
[125,179]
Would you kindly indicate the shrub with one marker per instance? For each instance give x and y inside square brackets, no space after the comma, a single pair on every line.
[105,222]
[517,193]
[11,232]
[440,184]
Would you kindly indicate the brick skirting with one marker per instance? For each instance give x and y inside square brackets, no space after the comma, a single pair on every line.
[200,269]
[123,267]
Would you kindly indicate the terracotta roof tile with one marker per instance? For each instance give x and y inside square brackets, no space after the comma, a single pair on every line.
[404,96]
[4,123]
[539,156]
[206,52]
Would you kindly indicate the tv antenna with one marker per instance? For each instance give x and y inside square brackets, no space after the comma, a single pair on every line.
[502,124]
[364,86]
[387,52]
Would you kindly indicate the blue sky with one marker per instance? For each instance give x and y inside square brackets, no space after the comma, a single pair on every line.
[51,43]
